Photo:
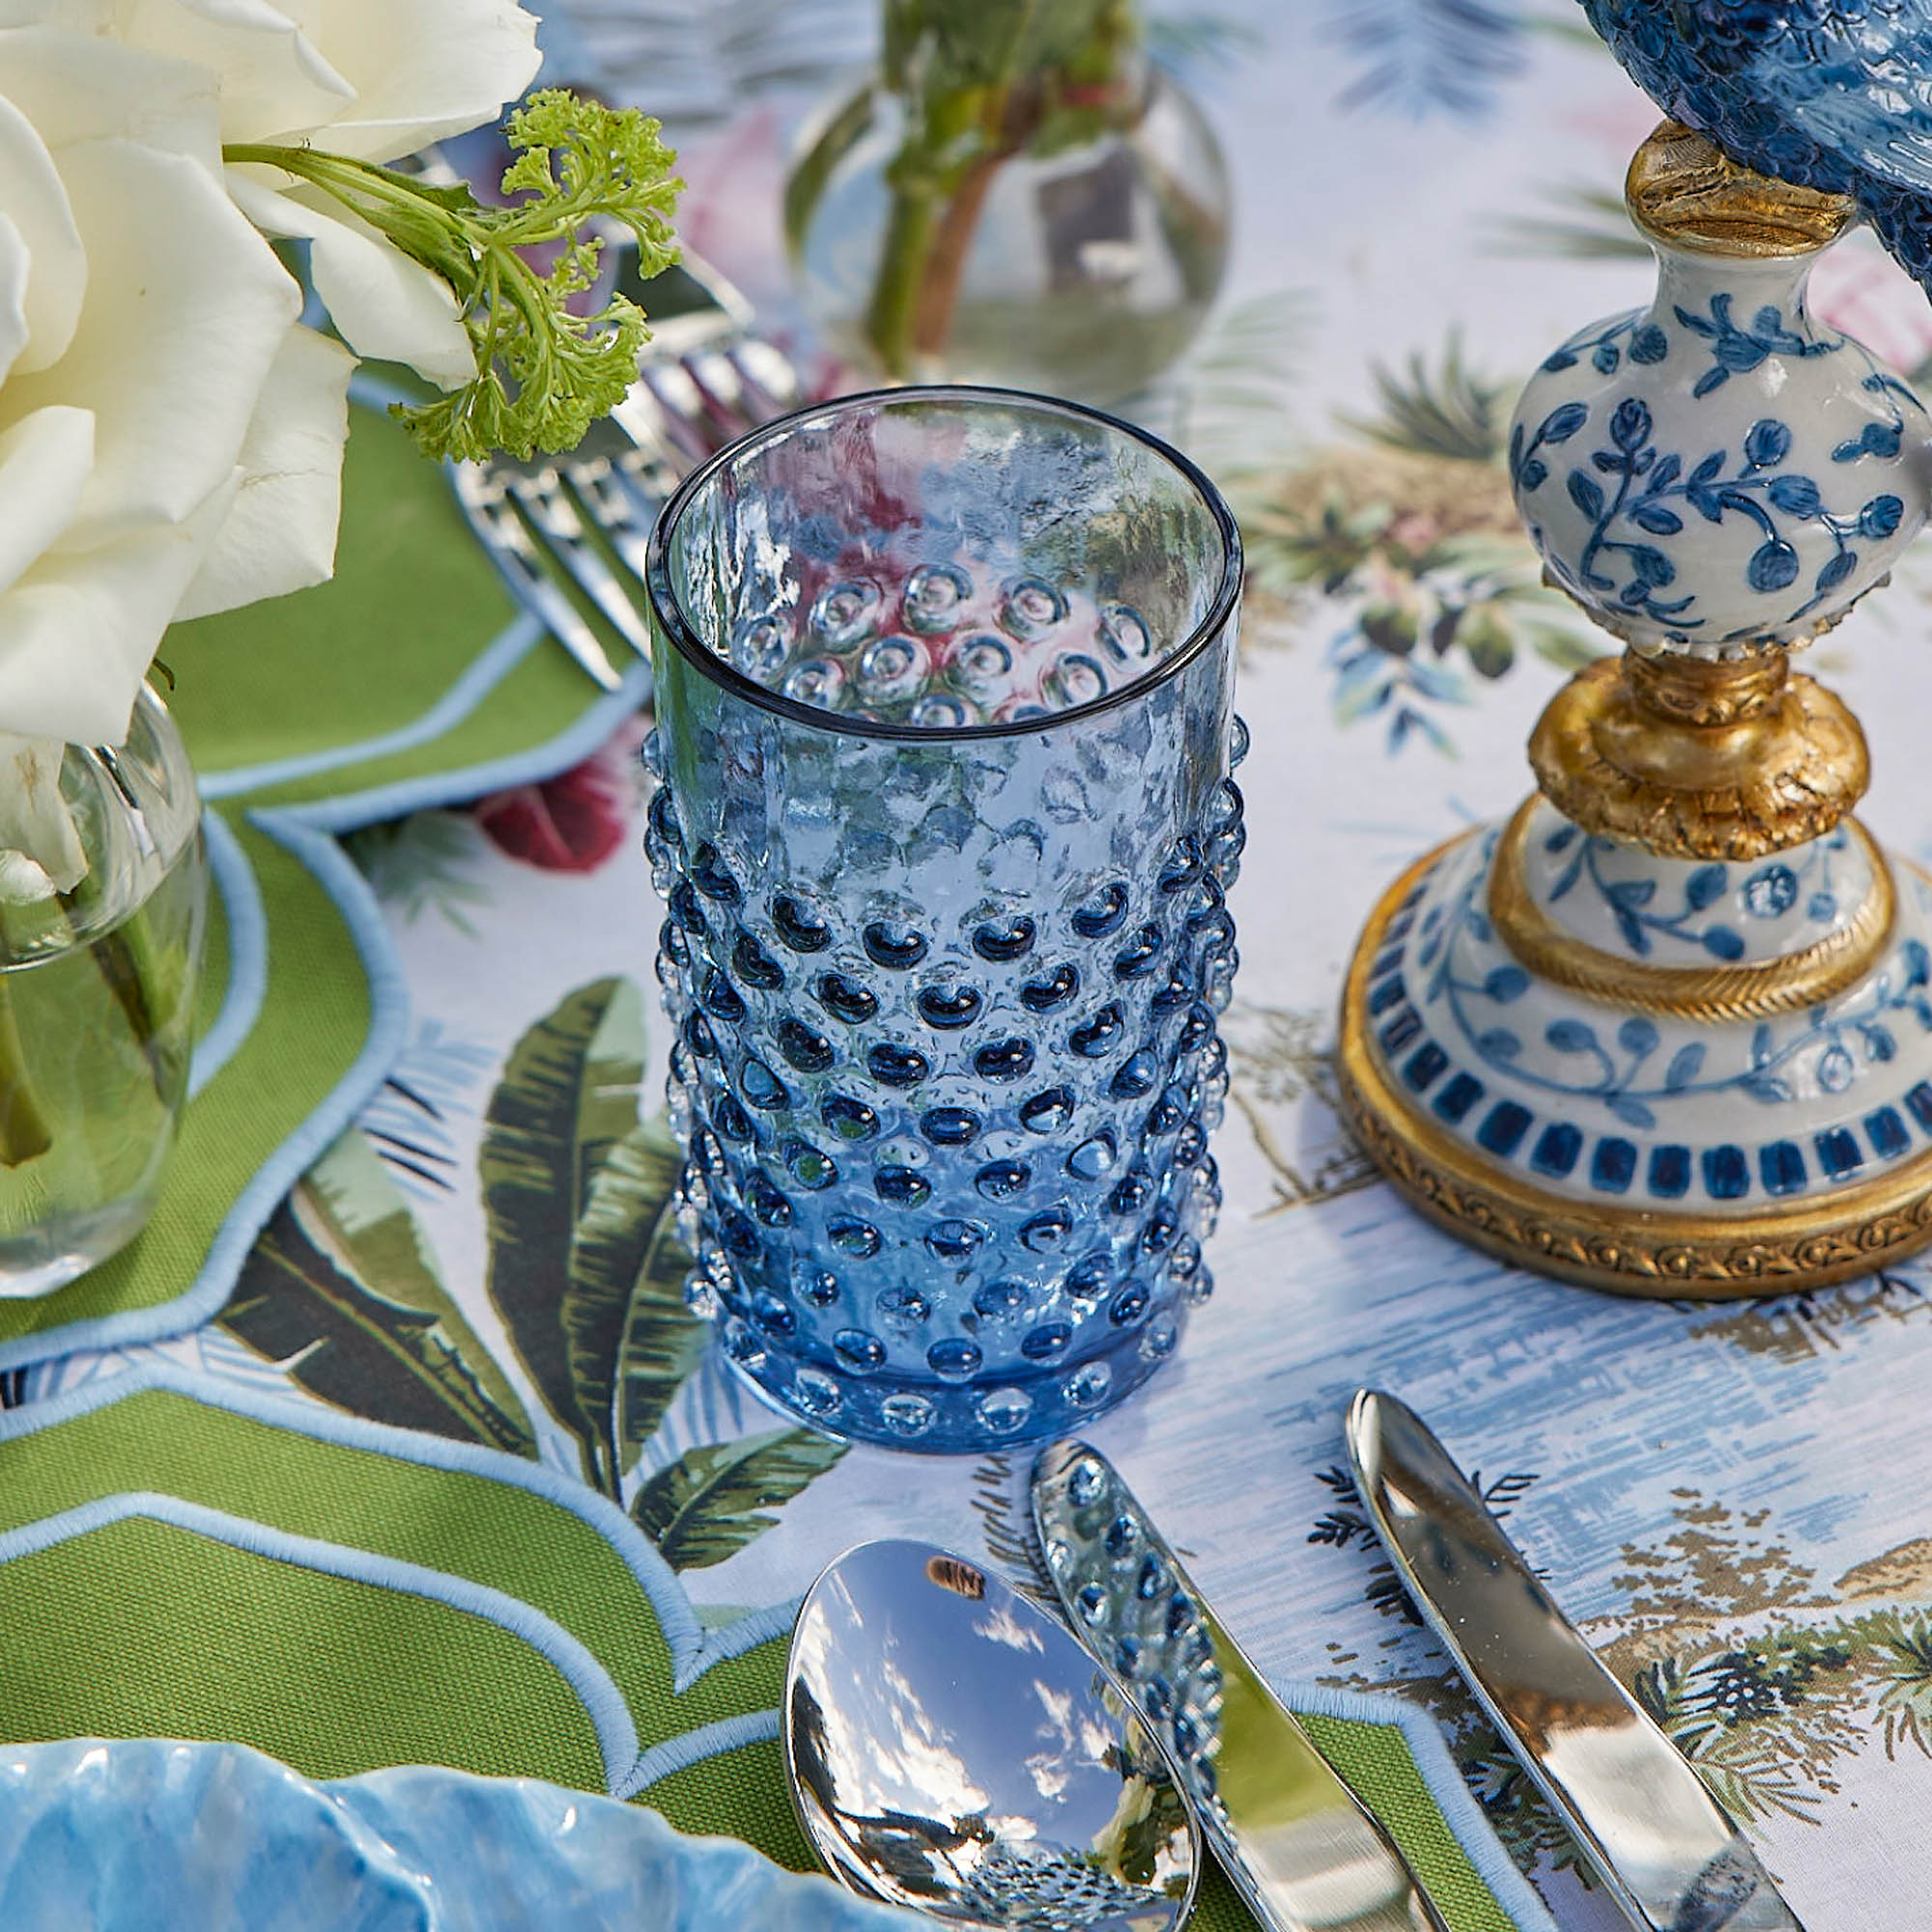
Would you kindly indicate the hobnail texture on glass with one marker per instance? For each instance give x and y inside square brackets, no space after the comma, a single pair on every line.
[97,1005]
[944,981]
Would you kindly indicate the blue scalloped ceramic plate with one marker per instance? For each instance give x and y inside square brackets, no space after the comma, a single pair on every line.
[144,1835]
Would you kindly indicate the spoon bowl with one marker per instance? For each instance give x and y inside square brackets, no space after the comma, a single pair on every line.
[953,1750]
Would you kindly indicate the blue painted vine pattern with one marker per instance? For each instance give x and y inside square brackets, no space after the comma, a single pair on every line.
[1639,493]
[1605,346]
[1620,1072]
[1882,439]
[1737,350]
[1768,892]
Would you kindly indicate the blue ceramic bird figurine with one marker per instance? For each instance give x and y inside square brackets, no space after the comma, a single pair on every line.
[1835,94]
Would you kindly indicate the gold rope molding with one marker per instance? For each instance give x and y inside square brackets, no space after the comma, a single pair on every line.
[1706,995]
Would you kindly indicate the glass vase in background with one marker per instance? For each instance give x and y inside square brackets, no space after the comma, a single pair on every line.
[945,828]
[1018,196]
[96,1001]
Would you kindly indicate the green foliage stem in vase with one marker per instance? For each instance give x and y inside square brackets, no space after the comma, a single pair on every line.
[100,946]
[982,82]
[1029,133]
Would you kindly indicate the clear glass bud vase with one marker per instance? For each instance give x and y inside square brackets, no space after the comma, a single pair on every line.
[97,977]
[1065,233]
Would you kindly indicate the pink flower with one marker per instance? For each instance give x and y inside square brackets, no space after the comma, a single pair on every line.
[571,823]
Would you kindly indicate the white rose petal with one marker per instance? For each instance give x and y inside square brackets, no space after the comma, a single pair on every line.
[274,79]
[16,268]
[35,821]
[48,295]
[87,88]
[23,881]
[386,306]
[418,72]
[77,633]
[280,535]
[45,460]
[188,307]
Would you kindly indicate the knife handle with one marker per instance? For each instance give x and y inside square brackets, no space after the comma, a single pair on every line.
[1663,1847]
[1293,1838]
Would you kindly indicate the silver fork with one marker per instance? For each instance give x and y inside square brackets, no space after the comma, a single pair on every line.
[703,379]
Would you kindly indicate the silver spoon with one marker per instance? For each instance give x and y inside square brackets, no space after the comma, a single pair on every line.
[953,1750]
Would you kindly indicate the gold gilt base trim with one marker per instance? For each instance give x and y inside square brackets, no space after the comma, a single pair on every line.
[1628,1250]
[1710,995]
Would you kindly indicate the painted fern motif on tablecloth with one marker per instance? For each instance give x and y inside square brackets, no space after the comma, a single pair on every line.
[1422,57]
[1766,1676]
[1404,545]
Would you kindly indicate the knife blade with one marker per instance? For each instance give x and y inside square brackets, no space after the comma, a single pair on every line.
[1293,1838]
[1661,1845]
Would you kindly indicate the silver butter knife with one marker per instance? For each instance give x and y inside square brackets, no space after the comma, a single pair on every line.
[1290,1836]
[1657,1839]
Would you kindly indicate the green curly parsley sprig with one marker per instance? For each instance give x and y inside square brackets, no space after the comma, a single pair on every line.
[543,373]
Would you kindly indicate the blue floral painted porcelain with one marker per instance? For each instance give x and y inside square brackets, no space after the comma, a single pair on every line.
[149,1836]
[1599,1103]
[1715,473]
[1676,913]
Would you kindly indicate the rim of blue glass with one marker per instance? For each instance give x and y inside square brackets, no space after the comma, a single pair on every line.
[670,618]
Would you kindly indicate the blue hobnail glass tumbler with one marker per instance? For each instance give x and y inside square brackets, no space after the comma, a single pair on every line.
[945,828]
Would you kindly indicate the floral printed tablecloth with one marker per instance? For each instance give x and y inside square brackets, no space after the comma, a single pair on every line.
[1728,1499]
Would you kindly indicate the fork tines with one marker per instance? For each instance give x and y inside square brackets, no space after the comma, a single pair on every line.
[584,520]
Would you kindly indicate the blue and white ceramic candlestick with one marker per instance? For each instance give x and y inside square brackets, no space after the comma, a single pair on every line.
[1669,1030]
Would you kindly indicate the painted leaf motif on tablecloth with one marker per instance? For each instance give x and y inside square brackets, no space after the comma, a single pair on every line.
[587,1269]
[709,1504]
[420,864]
[633,1342]
[664,1342]
[568,1095]
[342,1290]
[1410,536]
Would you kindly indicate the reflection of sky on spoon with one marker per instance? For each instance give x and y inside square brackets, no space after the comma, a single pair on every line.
[880,1739]
[1002,1625]
[961,1748]
[891,1752]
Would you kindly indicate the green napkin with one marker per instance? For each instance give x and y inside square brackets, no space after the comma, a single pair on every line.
[182,1557]
[412,679]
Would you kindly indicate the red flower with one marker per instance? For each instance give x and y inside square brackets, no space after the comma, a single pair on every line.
[571,823]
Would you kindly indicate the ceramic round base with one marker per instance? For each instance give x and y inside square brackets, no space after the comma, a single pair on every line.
[1561,1186]
[960,1419]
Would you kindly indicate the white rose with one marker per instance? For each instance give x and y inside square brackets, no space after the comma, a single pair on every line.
[143,323]
[372,79]
[170,438]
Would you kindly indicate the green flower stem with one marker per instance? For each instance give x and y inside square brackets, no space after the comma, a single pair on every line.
[544,373]
[980,82]
[901,274]
[24,1133]
[135,972]
[955,138]
[946,260]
